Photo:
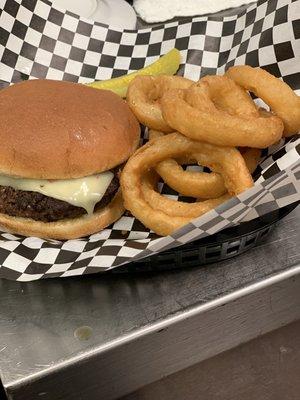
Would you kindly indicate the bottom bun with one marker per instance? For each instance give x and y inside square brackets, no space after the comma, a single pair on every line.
[68,228]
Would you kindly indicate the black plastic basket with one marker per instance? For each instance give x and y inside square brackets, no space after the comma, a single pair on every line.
[225,244]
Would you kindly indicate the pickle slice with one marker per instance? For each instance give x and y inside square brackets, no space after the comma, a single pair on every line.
[168,64]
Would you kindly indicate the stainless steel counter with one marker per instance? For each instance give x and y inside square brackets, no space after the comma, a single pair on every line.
[139,328]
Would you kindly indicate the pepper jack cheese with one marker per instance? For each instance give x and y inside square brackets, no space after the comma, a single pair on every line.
[81,192]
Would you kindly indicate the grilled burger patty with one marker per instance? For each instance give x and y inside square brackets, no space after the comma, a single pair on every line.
[20,203]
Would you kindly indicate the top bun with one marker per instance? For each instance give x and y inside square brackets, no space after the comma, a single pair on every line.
[60,130]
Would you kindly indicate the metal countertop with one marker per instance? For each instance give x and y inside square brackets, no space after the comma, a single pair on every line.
[144,326]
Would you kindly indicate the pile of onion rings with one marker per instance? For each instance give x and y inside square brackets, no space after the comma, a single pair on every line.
[212,123]
[165,217]
[196,114]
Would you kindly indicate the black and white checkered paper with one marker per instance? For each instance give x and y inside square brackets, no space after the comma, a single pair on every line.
[38,40]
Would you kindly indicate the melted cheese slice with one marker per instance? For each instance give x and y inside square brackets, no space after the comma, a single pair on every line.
[82,192]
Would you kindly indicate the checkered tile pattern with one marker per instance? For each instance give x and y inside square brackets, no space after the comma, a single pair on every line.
[40,41]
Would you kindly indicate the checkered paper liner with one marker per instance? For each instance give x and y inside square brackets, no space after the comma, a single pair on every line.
[38,40]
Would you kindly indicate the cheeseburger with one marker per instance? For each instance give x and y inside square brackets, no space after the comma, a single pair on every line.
[62,145]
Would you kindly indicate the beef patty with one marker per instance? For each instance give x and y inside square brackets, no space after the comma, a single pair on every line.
[20,203]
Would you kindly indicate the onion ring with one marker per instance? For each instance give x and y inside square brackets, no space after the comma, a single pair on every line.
[188,183]
[191,183]
[205,185]
[251,157]
[226,161]
[227,96]
[143,96]
[176,208]
[282,100]
[193,113]
[153,134]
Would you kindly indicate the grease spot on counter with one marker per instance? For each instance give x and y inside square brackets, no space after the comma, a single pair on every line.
[83,333]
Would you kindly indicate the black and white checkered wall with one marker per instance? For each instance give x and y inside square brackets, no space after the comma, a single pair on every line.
[39,41]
